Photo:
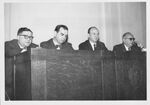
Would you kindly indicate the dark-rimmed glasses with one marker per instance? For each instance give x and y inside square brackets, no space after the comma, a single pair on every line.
[130,39]
[27,37]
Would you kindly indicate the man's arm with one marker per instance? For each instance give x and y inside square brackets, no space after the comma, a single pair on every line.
[116,51]
[104,47]
[68,46]
[71,48]
[43,45]
[11,50]
[81,47]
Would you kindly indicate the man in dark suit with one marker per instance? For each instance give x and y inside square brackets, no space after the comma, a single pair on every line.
[93,43]
[17,65]
[59,41]
[128,46]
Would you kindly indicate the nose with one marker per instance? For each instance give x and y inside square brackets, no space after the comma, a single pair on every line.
[28,39]
[64,37]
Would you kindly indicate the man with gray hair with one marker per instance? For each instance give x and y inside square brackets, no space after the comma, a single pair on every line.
[128,45]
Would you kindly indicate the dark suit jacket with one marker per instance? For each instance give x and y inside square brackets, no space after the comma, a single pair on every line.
[119,50]
[87,46]
[50,45]
[13,56]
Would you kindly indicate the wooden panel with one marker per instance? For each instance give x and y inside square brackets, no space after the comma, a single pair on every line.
[22,76]
[109,77]
[73,77]
[83,75]
[69,75]
[38,77]
[123,83]
[131,78]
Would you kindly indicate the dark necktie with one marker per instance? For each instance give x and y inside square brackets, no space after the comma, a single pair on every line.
[94,47]
[129,49]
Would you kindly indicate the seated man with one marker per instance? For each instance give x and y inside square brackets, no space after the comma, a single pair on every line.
[59,41]
[93,43]
[17,59]
[128,46]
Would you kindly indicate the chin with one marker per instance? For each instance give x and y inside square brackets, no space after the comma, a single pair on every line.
[28,44]
[62,42]
[95,40]
[130,45]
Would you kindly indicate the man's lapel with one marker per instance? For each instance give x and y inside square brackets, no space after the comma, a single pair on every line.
[89,46]
[51,44]
[123,48]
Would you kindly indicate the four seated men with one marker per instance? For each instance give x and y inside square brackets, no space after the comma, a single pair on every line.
[18,50]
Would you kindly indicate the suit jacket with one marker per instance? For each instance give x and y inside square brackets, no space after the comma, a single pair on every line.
[14,59]
[87,46]
[119,50]
[50,45]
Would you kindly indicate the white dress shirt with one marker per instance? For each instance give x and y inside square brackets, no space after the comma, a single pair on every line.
[23,48]
[56,43]
[92,44]
[127,48]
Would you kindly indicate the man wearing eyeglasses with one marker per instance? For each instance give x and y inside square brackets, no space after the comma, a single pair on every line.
[128,45]
[59,41]
[17,65]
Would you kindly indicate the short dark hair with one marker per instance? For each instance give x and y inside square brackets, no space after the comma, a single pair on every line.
[57,28]
[23,29]
[91,28]
[126,34]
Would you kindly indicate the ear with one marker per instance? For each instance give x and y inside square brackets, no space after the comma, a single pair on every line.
[88,35]
[55,33]
[18,37]
[123,39]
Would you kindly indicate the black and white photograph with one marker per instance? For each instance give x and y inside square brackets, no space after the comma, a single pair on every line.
[93,51]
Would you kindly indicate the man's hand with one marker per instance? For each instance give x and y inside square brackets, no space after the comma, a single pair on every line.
[139,44]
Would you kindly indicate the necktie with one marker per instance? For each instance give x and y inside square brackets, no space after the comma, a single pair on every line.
[129,49]
[94,47]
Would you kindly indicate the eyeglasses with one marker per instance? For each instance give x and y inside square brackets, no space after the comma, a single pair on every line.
[130,39]
[27,37]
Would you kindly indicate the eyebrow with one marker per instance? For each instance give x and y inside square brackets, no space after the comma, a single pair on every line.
[129,37]
[62,33]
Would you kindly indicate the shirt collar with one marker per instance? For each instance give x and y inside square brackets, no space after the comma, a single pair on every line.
[92,43]
[20,45]
[55,42]
[127,48]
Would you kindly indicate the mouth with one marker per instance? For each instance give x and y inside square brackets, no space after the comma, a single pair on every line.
[62,40]
[28,42]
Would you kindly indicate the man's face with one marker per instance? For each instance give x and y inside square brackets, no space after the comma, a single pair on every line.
[25,38]
[128,40]
[94,35]
[61,35]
